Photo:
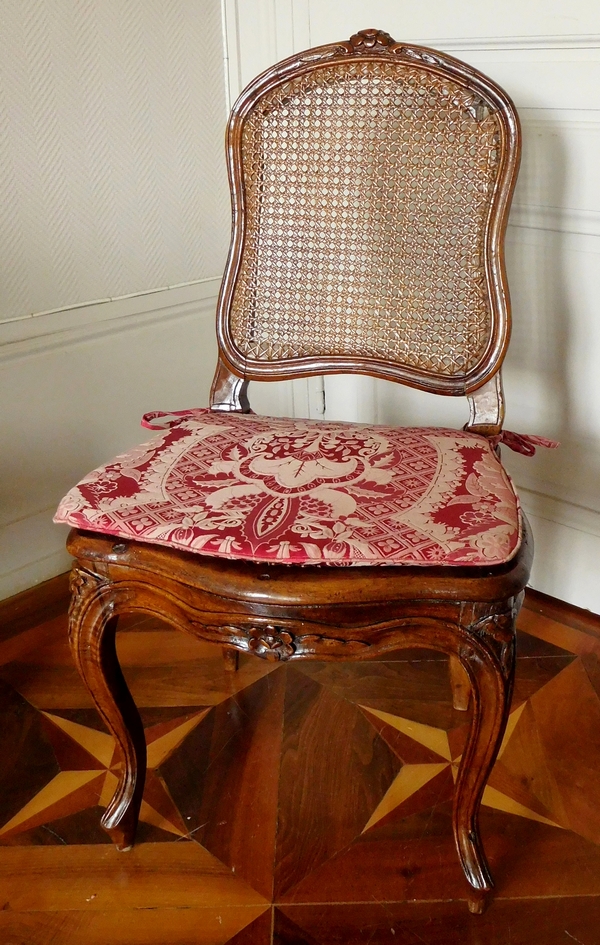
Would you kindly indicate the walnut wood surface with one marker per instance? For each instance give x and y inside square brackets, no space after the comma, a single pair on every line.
[286,613]
[461,687]
[228,392]
[486,408]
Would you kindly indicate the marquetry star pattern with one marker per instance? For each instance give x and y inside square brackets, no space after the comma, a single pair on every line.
[546,770]
[89,772]
[440,755]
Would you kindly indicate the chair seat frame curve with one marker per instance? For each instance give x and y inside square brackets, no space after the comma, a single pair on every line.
[286,613]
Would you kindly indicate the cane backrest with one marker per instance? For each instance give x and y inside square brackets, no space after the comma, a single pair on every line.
[371,182]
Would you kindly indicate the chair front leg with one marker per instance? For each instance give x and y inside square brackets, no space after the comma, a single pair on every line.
[92,635]
[489,664]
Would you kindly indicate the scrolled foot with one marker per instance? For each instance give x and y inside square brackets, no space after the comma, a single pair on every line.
[121,818]
[490,668]
[479,900]
[122,836]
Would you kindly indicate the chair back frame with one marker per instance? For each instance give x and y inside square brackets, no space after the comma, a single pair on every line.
[373,46]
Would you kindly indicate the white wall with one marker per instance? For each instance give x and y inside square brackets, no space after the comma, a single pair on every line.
[111,169]
[547,56]
[112,183]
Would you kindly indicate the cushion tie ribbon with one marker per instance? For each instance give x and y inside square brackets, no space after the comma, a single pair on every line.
[519,442]
[524,443]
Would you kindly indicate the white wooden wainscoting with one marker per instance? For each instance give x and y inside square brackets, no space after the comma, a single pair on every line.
[547,56]
[77,389]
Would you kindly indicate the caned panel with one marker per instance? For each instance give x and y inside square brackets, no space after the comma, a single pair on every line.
[367,186]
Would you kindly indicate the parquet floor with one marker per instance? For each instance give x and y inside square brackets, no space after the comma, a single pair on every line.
[297,804]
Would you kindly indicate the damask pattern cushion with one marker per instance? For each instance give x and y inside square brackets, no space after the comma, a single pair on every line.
[305,492]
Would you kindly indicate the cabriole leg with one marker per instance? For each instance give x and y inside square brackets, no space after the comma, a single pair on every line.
[491,680]
[92,633]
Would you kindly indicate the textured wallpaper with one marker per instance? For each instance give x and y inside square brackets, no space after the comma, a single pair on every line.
[112,172]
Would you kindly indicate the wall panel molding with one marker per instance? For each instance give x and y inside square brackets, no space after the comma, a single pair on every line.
[557,219]
[563,511]
[566,41]
[19,337]
[259,33]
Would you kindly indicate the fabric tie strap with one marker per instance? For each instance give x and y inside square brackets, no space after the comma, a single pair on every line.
[160,420]
[524,443]
[519,442]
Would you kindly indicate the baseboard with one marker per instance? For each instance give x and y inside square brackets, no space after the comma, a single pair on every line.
[36,605]
[565,562]
[561,612]
[32,551]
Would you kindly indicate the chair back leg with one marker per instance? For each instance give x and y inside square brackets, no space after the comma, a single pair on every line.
[461,687]
[231,658]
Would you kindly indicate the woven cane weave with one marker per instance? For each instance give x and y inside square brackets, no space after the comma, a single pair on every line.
[367,188]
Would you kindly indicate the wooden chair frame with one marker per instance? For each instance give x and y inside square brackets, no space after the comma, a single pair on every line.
[282,612]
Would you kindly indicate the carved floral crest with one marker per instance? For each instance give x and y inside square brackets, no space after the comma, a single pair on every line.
[371,39]
[272,643]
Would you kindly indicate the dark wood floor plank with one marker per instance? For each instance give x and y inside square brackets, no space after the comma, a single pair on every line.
[335,768]
[567,715]
[27,759]
[419,690]
[561,612]
[34,640]
[258,932]
[287,932]
[414,858]
[520,922]
[225,780]
[194,682]
[533,646]
[522,771]
[535,672]
[573,639]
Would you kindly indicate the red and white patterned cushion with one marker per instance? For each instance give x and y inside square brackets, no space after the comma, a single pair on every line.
[305,492]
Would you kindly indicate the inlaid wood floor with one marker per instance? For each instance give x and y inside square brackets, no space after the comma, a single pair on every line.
[296,804]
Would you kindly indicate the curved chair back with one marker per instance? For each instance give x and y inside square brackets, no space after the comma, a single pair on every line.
[371,182]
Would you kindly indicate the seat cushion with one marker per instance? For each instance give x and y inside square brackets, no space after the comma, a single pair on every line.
[305,492]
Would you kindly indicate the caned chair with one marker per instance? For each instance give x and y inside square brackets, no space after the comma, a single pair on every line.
[371,182]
